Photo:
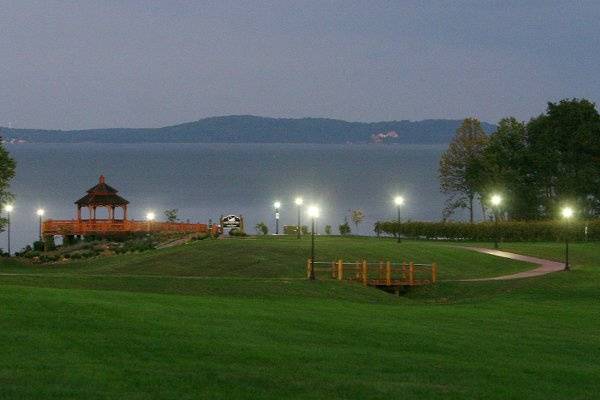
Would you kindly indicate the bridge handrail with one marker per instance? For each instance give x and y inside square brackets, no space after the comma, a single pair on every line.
[82,227]
[389,273]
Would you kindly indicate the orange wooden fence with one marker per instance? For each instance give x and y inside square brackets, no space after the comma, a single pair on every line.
[377,274]
[107,226]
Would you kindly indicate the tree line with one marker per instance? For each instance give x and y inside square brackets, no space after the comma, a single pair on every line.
[537,166]
[7,172]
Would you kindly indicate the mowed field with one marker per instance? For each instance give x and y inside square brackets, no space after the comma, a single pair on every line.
[235,318]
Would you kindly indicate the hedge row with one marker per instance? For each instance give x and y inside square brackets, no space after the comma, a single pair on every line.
[487,231]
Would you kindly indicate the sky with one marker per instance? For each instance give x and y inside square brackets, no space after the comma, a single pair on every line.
[99,64]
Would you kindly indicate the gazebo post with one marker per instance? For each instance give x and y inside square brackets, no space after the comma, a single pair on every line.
[78,213]
[124,212]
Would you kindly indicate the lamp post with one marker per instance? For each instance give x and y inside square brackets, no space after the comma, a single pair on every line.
[399,201]
[8,208]
[150,216]
[277,204]
[298,203]
[496,200]
[567,214]
[40,213]
[313,213]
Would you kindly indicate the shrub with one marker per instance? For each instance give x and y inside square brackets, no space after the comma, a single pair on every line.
[293,229]
[487,231]
[237,232]
[345,229]
[88,254]
[201,236]
[262,228]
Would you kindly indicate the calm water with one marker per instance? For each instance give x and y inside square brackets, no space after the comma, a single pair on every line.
[206,180]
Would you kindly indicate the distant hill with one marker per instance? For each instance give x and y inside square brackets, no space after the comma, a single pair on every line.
[253,129]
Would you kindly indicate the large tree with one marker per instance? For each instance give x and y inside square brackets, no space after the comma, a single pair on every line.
[564,152]
[508,170]
[461,167]
[7,172]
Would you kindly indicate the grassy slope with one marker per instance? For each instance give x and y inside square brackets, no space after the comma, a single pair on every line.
[535,338]
[263,267]
[284,257]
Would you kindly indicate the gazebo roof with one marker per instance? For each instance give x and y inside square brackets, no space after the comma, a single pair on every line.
[101,195]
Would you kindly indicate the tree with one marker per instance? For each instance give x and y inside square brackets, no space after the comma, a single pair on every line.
[328,229]
[345,228]
[7,172]
[357,217]
[564,148]
[171,214]
[262,228]
[507,170]
[461,167]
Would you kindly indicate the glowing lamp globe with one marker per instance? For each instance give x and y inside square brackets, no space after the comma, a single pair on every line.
[567,212]
[399,200]
[298,201]
[496,200]
[313,212]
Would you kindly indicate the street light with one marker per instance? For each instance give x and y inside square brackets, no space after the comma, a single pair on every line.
[277,204]
[298,203]
[8,208]
[313,213]
[150,216]
[567,214]
[399,201]
[40,213]
[496,200]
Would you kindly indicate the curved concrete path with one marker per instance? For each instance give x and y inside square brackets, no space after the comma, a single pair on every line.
[544,266]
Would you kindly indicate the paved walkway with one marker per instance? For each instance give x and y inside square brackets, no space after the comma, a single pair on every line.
[544,266]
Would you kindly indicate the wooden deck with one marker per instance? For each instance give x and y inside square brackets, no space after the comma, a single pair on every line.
[108,227]
[384,275]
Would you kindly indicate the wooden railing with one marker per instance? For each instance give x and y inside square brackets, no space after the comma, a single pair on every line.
[377,274]
[107,226]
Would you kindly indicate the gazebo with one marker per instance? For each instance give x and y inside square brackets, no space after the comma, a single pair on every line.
[105,196]
[102,195]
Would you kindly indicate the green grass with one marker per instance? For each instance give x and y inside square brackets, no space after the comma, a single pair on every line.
[169,325]
[282,257]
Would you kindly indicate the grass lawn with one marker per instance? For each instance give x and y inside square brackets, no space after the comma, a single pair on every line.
[234,319]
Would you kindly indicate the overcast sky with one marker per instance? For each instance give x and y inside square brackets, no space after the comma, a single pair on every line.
[81,64]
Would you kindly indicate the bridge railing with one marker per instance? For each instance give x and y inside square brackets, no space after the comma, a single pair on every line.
[89,227]
[381,273]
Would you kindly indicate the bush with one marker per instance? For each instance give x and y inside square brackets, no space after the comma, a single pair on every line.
[136,245]
[293,229]
[262,228]
[486,231]
[345,229]
[201,236]
[237,232]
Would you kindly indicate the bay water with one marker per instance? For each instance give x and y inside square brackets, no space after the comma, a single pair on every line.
[206,181]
